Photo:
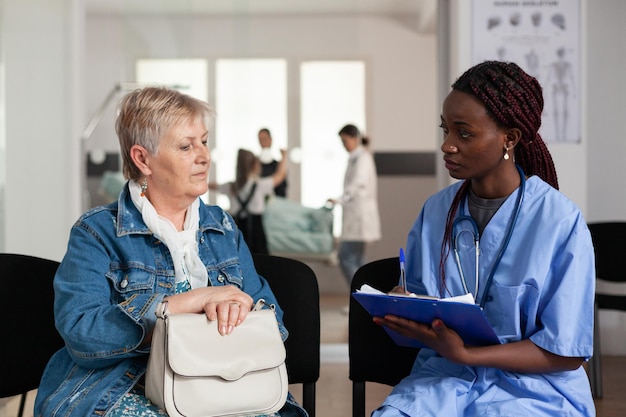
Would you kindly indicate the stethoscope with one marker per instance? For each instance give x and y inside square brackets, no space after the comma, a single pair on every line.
[475,236]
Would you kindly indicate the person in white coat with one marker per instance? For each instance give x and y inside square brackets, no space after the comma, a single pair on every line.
[361,220]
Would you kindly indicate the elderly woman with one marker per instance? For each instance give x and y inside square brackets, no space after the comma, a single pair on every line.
[157,241]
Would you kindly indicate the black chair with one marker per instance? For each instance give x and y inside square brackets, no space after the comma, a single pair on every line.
[374,357]
[609,243]
[295,286]
[27,325]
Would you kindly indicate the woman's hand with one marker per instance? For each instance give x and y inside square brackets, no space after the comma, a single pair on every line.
[228,305]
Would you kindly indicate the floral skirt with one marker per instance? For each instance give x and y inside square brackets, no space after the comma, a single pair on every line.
[135,404]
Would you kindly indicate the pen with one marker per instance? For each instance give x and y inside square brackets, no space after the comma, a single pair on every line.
[402,272]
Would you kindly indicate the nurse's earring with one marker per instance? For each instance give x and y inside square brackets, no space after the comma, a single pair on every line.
[144,187]
[506,153]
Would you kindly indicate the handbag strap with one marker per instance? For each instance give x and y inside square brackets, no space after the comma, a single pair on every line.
[161,309]
[261,303]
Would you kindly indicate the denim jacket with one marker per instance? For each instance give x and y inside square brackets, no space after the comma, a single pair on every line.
[113,276]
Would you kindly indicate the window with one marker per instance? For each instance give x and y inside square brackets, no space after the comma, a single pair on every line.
[332,95]
[250,94]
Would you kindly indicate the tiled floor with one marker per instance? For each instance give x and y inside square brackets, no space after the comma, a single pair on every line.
[334,318]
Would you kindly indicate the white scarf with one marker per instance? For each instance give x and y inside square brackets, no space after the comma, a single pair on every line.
[182,245]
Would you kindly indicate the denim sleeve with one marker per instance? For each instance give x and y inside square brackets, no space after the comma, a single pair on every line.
[97,331]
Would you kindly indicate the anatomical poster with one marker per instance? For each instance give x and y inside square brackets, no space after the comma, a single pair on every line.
[543,37]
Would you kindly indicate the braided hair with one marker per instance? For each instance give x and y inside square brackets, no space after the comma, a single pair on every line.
[513,99]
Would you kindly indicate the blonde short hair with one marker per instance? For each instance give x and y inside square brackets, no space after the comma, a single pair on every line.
[146,115]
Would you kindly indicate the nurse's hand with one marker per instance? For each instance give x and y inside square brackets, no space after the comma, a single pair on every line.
[398,290]
[435,335]
[522,356]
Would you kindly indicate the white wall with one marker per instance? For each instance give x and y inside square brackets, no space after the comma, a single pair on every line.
[606,109]
[606,133]
[41,194]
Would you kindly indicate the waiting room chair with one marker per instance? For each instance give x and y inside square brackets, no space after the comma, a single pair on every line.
[609,242]
[295,286]
[374,357]
[29,337]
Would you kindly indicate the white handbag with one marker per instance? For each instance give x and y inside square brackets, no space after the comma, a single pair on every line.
[193,371]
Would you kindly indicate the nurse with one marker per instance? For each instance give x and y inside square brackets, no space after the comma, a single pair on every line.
[536,271]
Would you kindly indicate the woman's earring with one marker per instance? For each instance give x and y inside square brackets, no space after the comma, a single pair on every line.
[506,153]
[144,187]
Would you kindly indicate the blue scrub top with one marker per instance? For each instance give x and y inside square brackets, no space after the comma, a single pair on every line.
[543,290]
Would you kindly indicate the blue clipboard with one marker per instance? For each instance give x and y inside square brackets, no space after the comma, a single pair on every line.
[468,320]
